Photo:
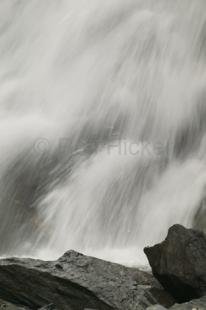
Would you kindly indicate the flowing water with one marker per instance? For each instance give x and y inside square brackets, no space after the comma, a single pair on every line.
[102,124]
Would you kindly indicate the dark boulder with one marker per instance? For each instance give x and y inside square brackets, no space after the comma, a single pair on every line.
[78,282]
[179,263]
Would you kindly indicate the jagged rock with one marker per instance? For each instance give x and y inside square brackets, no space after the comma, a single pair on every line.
[197,304]
[78,282]
[179,263]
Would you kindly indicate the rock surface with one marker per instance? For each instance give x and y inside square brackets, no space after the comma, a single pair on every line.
[78,282]
[179,263]
[8,306]
[156,307]
[49,307]
[197,304]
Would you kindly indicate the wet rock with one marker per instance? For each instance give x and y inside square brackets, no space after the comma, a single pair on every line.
[179,263]
[78,282]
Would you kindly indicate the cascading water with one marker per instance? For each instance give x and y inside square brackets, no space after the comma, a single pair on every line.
[103,132]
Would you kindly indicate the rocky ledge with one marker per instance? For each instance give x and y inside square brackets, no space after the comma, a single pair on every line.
[79,282]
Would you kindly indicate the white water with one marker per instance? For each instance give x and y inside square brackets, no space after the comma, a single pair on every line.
[102,132]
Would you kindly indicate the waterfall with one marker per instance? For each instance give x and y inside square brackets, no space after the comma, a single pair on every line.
[102,118]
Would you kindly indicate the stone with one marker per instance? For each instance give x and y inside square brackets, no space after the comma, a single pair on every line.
[8,306]
[78,282]
[49,307]
[156,307]
[197,304]
[179,263]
